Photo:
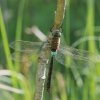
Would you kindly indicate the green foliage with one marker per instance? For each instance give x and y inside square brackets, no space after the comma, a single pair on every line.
[81,22]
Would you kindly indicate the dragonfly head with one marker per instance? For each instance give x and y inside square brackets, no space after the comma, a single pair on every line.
[56,33]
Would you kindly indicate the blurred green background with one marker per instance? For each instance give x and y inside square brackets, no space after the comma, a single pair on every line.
[80,29]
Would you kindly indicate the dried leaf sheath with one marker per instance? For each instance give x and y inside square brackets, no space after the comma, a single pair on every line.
[50,74]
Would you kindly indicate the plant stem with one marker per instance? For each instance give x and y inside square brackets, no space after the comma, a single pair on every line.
[59,16]
[45,53]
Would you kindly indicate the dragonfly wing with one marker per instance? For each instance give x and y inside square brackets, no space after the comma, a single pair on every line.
[26,45]
[69,59]
[83,53]
[22,56]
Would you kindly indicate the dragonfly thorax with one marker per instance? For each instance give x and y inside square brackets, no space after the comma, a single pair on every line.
[55,41]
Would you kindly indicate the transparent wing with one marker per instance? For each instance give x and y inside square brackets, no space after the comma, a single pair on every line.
[72,57]
[26,50]
[22,56]
[82,53]
[24,46]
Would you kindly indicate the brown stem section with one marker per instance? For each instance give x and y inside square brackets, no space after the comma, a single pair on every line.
[59,16]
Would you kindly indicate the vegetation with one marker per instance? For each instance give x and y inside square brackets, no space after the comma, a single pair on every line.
[80,29]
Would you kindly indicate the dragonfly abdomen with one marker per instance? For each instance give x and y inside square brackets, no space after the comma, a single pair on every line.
[50,74]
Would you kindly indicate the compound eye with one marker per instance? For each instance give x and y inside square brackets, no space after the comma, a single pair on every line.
[59,34]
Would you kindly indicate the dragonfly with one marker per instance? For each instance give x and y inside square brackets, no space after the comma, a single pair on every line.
[66,55]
